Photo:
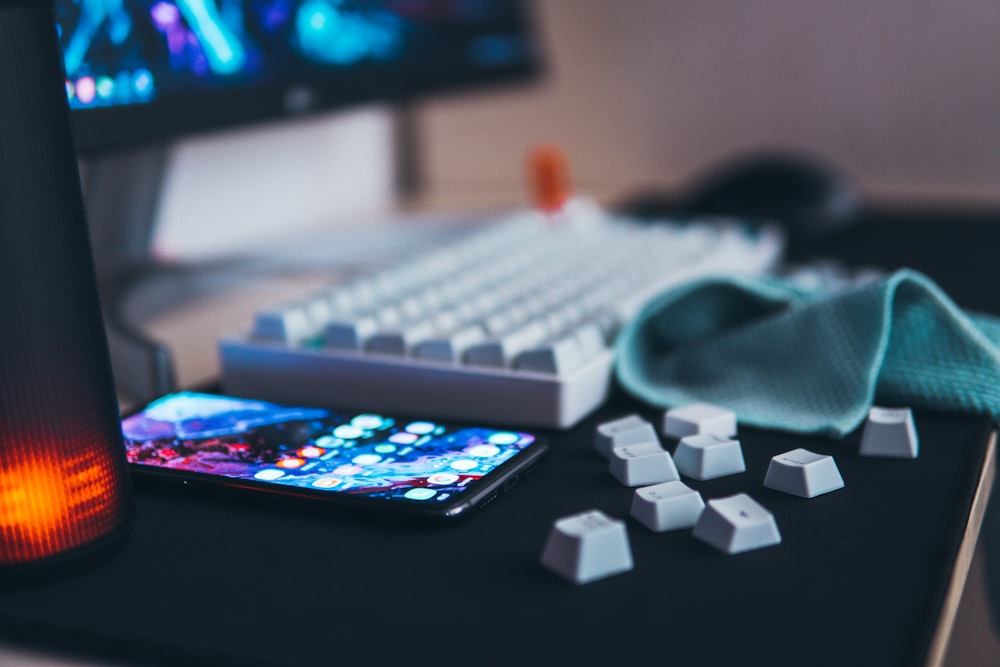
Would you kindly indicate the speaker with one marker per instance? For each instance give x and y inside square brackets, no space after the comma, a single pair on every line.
[65,492]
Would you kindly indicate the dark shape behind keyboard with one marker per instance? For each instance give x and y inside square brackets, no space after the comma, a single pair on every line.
[807,195]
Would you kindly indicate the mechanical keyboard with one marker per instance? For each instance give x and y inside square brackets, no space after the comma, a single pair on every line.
[513,322]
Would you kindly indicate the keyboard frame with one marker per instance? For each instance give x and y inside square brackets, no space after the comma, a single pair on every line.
[334,378]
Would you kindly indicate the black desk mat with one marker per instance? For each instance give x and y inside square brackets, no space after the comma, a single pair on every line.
[859,578]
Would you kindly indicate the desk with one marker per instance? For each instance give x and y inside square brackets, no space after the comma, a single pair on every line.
[866,575]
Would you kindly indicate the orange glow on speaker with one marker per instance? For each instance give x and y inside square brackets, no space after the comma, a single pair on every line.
[58,496]
[65,493]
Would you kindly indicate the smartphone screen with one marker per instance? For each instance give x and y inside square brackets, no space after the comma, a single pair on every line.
[414,467]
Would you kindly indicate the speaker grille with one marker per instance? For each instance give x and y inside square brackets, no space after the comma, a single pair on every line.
[63,476]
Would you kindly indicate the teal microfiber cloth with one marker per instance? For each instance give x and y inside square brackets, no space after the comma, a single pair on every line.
[811,361]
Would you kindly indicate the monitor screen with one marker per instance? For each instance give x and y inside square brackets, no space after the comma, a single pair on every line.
[151,70]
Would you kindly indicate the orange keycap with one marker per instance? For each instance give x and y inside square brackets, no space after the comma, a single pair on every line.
[549,177]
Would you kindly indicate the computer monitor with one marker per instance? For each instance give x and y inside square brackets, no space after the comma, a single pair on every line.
[141,74]
[148,70]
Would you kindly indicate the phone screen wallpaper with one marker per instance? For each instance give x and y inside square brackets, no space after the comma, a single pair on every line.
[362,454]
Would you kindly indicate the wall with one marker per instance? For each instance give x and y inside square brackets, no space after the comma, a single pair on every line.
[902,94]
[229,191]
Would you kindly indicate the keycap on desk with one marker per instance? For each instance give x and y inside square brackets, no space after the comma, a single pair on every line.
[803,473]
[667,506]
[587,546]
[736,524]
[699,418]
[890,432]
[642,464]
[630,430]
[709,456]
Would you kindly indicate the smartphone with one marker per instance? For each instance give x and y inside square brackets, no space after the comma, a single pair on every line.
[403,467]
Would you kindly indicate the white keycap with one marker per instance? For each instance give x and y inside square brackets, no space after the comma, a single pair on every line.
[318,310]
[360,294]
[737,524]
[556,357]
[591,339]
[341,300]
[630,430]
[497,323]
[563,318]
[667,506]
[400,341]
[388,316]
[709,456]
[450,347]
[803,473]
[587,546]
[607,322]
[699,418]
[412,307]
[642,464]
[289,323]
[890,432]
[501,351]
[350,333]
[447,319]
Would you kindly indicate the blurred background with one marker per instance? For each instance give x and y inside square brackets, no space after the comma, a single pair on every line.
[902,96]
